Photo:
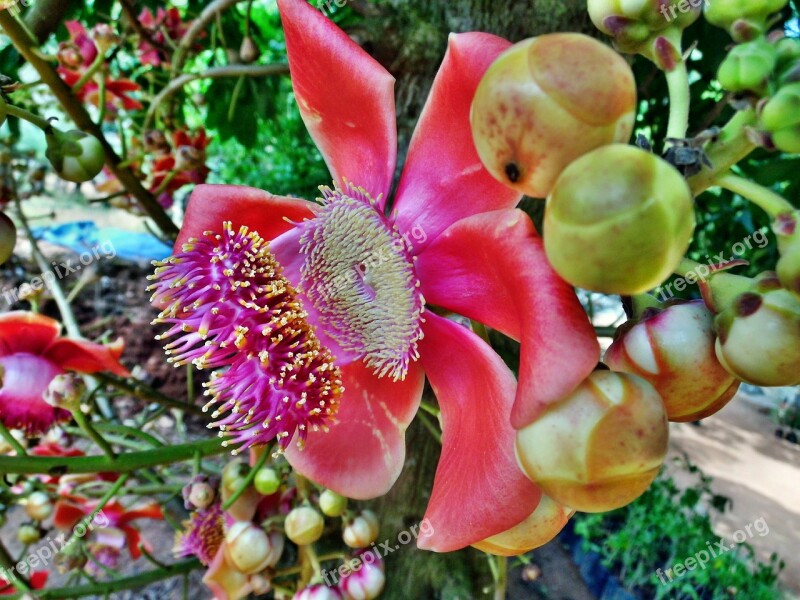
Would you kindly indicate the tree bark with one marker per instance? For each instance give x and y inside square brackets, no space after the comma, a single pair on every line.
[409,37]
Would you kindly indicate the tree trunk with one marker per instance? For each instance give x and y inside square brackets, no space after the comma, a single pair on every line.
[409,37]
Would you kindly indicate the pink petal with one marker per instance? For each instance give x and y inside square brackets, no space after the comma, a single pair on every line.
[211,205]
[345,97]
[492,268]
[363,453]
[22,331]
[22,406]
[85,357]
[443,179]
[479,490]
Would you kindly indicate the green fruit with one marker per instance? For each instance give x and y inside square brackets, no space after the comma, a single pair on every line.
[8,237]
[332,504]
[781,118]
[743,19]
[76,156]
[748,67]
[788,232]
[267,482]
[618,221]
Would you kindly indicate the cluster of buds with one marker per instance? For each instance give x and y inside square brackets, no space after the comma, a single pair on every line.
[743,19]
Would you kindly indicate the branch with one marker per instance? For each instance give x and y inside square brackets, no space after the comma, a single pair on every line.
[83,121]
[45,16]
[133,19]
[214,73]
[199,25]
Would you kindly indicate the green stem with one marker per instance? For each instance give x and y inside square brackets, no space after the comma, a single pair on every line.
[501,582]
[732,146]
[21,113]
[125,463]
[136,582]
[85,423]
[679,101]
[247,480]
[107,497]
[430,426]
[9,566]
[431,410]
[773,204]
[11,440]
[99,60]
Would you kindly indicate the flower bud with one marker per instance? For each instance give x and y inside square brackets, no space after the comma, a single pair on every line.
[8,237]
[673,349]
[155,141]
[28,534]
[600,447]
[104,37]
[332,504]
[540,527]
[759,335]
[635,25]
[318,592]
[545,102]
[250,549]
[304,525]
[748,67]
[249,52]
[39,506]
[366,579]
[362,531]
[234,477]
[788,232]
[743,19]
[189,158]
[69,56]
[618,221]
[65,391]
[267,481]
[199,494]
[781,118]
[76,156]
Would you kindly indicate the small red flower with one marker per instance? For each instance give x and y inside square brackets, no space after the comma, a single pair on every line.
[166,28]
[31,355]
[38,579]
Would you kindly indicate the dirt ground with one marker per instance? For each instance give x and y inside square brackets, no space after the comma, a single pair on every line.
[758,471]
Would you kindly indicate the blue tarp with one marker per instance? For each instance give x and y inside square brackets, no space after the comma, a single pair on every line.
[81,236]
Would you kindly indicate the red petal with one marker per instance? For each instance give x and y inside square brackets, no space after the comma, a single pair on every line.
[211,205]
[479,490]
[492,268]
[22,331]
[147,511]
[86,357]
[362,455]
[443,179]
[345,97]
[67,514]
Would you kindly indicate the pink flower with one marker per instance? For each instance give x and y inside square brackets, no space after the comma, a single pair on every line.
[364,281]
[166,28]
[31,356]
[202,536]
[76,56]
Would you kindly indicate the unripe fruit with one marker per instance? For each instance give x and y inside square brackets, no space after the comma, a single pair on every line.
[748,67]
[267,481]
[788,232]
[545,102]
[743,19]
[362,531]
[39,506]
[201,495]
[759,335]
[634,25]
[540,527]
[76,156]
[673,349]
[249,52]
[304,525]
[600,447]
[781,118]
[28,534]
[365,583]
[332,504]
[250,549]
[618,221]
[8,237]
